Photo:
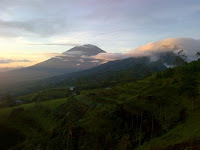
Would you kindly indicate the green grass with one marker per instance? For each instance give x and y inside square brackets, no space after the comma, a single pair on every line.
[51,104]
[34,122]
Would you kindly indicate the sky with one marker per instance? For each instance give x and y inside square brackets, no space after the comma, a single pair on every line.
[32,31]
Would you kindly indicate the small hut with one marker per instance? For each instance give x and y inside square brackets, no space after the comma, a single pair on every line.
[72,88]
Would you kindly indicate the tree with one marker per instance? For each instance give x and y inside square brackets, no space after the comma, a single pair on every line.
[198,55]
[125,143]
[190,87]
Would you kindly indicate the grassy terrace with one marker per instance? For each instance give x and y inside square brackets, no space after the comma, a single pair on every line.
[33,121]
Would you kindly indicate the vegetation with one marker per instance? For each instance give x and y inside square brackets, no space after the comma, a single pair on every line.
[27,124]
[157,112]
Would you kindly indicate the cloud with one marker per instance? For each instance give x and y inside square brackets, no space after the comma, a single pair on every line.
[74,53]
[95,61]
[41,27]
[119,56]
[47,18]
[62,55]
[49,54]
[7,61]
[5,69]
[109,56]
[40,54]
[106,23]
[55,44]
[189,46]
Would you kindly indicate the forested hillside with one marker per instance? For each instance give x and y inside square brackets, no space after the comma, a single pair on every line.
[158,112]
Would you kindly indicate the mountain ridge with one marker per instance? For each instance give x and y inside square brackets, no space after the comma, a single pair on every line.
[65,63]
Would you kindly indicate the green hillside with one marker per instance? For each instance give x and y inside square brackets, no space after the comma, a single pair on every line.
[158,112]
[28,124]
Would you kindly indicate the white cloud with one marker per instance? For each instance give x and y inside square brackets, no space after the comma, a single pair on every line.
[55,44]
[95,61]
[7,61]
[189,46]
[109,56]
[5,69]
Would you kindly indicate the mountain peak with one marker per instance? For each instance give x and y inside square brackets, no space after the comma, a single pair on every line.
[89,45]
[87,49]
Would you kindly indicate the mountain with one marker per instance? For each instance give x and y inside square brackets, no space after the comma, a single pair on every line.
[76,59]
[119,70]
[84,57]
[88,50]
[108,74]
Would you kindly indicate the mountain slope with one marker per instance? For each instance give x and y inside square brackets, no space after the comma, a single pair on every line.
[107,74]
[119,70]
[73,60]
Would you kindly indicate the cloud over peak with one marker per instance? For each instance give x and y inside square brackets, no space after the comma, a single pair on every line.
[189,46]
[171,44]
